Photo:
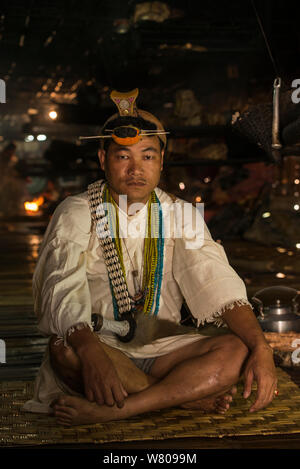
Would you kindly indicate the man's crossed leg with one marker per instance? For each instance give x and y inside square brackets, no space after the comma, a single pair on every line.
[198,375]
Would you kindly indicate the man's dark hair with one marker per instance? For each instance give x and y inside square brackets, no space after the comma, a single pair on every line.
[138,122]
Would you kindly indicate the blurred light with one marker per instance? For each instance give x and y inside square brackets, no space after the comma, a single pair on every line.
[121,25]
[34,240]
[41,137]
[33,206]
[29,138]
[52,115]
[297,181]
[281,249]
[206,180]
[32,111]
[198,198]
[280,275]
[181,186]
[296,207]
[266,215]
[21,40]
[298,245]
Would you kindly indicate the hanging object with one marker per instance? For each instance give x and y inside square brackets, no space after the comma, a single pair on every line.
[276,145]
[261,123]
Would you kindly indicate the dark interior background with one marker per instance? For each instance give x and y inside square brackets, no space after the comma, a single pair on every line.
[68,55]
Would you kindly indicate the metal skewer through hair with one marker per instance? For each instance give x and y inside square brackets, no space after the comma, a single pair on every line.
[143,134]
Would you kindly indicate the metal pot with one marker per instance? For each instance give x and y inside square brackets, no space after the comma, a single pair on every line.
[277,309]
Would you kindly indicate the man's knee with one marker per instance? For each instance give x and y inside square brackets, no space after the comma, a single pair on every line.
[234,353]
[65,364]
[233,344]
[62,358]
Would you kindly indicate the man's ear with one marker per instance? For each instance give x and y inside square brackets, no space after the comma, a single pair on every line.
[101,156]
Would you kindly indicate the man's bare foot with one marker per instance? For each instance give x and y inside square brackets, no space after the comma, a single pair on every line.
[71,410]
[219,404]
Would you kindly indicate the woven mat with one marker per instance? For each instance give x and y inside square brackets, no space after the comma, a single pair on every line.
[282,416]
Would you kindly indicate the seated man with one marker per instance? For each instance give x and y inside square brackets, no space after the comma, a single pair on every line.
[133,265]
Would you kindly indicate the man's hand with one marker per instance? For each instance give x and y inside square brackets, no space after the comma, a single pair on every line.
[260,368]
[100,379]
[101,382]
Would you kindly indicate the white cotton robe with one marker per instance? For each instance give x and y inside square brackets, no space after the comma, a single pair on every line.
[71,283]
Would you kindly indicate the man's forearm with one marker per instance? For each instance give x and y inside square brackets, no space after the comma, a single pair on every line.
[242,321]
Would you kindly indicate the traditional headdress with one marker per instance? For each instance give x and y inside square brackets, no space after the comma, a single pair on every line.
[129,134]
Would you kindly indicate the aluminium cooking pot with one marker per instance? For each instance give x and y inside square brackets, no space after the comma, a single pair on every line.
[277,309]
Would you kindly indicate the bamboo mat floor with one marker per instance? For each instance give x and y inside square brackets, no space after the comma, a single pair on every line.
[20,428]
[19,243]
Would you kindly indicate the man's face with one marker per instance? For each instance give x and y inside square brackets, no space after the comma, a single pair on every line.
[133,170]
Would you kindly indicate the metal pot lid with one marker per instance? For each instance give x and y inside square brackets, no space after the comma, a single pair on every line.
[276,297]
